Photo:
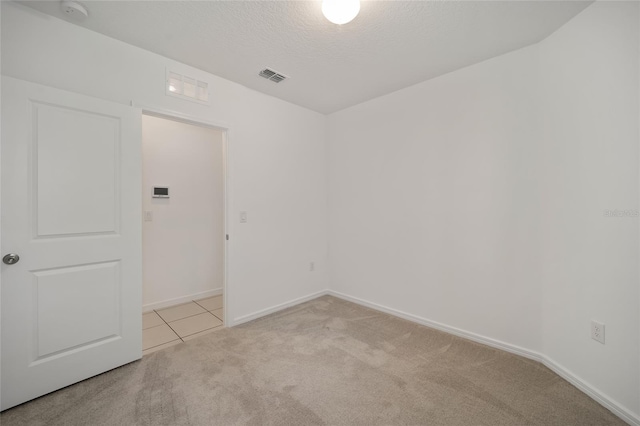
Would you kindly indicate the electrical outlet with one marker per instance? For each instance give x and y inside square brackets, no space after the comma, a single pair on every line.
[597,331]
[312,266]
[148,216]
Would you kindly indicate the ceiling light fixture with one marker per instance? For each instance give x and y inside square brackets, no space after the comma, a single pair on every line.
[340,11]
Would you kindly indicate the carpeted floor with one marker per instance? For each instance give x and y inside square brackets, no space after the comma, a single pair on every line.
[328,362]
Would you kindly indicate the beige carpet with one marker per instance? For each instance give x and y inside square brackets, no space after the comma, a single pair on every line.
[322,362]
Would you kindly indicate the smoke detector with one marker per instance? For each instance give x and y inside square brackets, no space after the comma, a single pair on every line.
[272,75]
[74,10]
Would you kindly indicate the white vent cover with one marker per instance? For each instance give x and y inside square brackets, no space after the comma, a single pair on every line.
[272,75]
[188,88]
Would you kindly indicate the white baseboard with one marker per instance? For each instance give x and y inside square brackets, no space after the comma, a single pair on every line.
[276,308]
[610,404]
[183,299]
[442,327]
[595,394]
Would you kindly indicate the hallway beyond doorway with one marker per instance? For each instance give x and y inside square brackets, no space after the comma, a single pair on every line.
[170,326]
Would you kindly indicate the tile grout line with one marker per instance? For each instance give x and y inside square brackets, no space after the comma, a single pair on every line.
[211,310]
[200,305]
[176,333]
[190,316]
[208,310]
[155,326]
[169,325]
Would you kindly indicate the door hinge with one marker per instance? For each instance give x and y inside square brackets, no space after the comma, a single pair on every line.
[227,237]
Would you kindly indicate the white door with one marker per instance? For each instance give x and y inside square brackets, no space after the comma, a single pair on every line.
[71,185]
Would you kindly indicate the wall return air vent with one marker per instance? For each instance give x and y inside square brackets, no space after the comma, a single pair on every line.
[272,75]
[187,88]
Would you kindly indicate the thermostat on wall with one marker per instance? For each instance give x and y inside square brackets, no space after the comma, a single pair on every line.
[160,192]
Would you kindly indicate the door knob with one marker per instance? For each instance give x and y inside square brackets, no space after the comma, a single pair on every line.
[11,258]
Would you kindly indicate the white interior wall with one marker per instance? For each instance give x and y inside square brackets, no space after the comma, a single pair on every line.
[430,206]
[588,164]
[183,243]
[276,150]
[475,201]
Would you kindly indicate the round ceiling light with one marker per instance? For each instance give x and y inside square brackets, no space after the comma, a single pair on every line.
[340,11]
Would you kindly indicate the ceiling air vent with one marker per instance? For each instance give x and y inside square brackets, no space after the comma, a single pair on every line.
[272,75]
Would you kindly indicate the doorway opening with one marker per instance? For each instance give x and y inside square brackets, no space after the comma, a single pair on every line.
[183,230]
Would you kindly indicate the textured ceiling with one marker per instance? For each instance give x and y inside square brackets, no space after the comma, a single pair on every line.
[390,44]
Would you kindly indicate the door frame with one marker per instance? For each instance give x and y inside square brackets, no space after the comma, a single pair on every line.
[226,177]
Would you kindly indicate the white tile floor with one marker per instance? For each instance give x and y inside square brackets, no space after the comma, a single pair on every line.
[167,327]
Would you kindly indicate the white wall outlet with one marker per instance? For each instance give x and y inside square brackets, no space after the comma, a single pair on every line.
[243,217]
[148,216]
[312,266]
[597,331]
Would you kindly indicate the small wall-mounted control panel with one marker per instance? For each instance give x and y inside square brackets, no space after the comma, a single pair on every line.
[160,192]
